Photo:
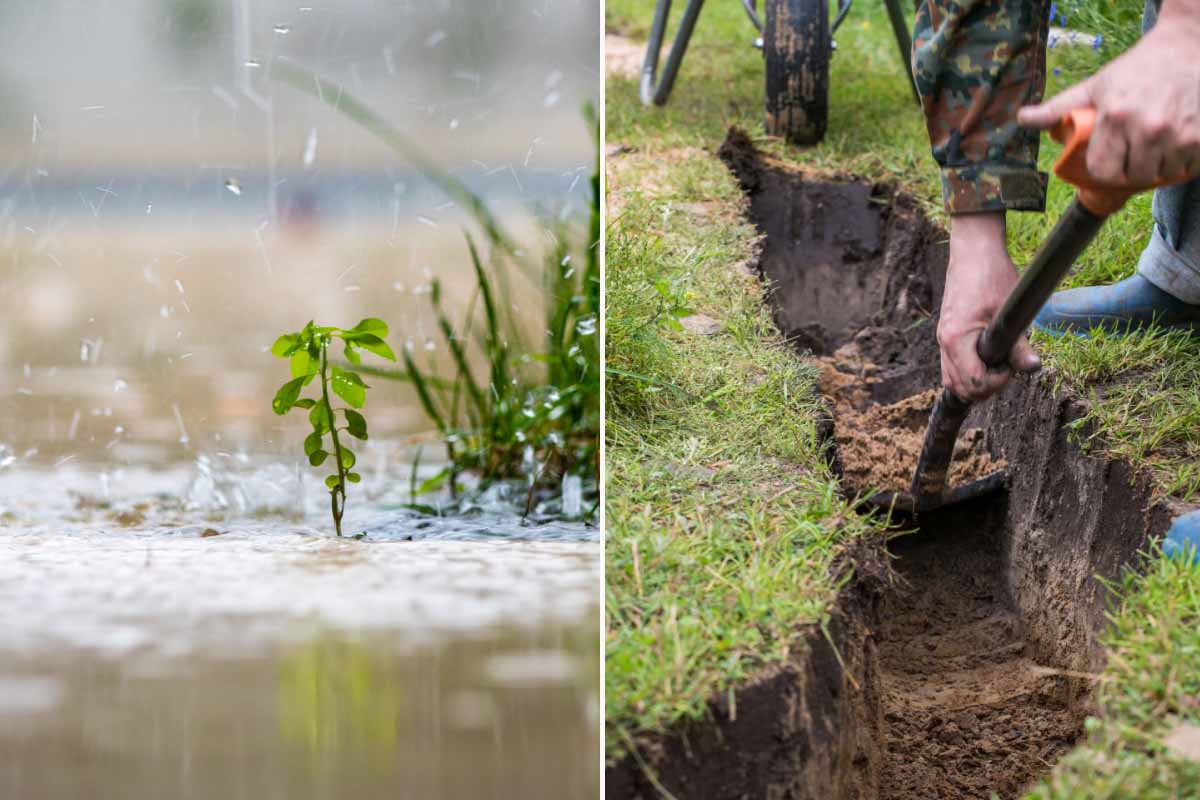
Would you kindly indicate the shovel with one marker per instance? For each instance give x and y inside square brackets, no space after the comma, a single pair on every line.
[1094,202]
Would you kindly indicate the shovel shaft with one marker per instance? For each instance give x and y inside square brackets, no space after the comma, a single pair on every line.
[1072,233]
[1074,230]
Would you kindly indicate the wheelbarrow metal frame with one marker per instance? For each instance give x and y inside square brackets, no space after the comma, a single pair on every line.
[656,90]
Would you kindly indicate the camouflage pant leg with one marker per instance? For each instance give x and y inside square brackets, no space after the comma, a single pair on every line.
[975,62]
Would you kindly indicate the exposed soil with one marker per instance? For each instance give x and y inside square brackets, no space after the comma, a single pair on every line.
[964,672]
[879,444]
[969,710]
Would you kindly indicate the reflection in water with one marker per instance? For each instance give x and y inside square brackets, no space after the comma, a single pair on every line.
[334,717]
[337,698]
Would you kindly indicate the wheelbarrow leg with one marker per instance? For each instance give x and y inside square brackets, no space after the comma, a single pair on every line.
[655,91]
[903,41]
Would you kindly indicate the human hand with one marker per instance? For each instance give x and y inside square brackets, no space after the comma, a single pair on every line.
[978,280]
[1147,105]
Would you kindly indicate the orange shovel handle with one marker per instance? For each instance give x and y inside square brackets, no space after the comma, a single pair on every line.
[1073,132]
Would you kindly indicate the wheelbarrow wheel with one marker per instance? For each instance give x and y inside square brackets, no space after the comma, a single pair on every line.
[797,46]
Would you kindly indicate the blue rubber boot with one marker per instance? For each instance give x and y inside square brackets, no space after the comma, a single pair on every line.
[1183,538]
[1129,305]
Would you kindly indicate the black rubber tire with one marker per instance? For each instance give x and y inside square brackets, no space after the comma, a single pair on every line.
[796,47]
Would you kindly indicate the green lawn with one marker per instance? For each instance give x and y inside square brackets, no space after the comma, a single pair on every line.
[722,523]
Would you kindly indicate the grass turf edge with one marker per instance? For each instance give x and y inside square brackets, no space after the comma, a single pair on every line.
[723,521]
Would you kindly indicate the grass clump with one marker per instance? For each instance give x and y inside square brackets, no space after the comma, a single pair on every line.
[509,410]
[723,522]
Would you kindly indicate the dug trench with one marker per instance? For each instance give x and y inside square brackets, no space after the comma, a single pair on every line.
[958,658]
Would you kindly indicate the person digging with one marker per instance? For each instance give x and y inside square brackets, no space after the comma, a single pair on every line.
[979,67]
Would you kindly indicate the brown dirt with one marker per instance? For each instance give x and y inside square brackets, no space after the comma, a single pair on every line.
[969,710]
[879,443]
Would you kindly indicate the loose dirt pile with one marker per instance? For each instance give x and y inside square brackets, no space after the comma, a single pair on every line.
[879,444]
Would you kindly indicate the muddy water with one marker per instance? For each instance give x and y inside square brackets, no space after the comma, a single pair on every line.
[188,634]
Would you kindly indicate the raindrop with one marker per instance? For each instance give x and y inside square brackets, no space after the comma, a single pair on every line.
[551,100]
[398,286]
[454,124]
[430,345]
[310,149]
[179,285]
[586,326]
[234,185]
[572,495]
[253,63]
[119,386]
[354,287]
[183,437]
[283,30]
[435,38]
[553,78]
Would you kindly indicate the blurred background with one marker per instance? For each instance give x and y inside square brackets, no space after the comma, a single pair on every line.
[168,207]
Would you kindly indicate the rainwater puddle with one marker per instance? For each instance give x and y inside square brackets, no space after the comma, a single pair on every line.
[196,631]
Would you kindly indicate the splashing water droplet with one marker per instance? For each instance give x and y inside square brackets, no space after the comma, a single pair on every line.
[234,185]
[119,385]
[283,30]
[586,326]
[252,63]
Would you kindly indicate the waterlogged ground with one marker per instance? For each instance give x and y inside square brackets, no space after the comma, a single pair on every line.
[195,631]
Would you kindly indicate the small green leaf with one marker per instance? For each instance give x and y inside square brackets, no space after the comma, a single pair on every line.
[305,402]
[286,345]
[347,458]
[353,477]
[348,386]
[312,443]
[372,325]
[352,355]
[373,344]
[287,396]
[317,458]
[319,418]
[333,482]
[356,425]
[302,364]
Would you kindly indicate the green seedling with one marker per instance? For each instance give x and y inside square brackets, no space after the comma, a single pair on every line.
[308,353]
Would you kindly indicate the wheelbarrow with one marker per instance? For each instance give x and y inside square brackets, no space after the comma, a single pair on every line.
[797,43]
